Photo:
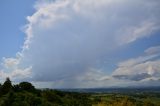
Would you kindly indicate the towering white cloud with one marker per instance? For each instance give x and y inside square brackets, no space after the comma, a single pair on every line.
[66,38]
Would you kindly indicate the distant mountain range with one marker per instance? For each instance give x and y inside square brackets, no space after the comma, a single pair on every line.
[129,89]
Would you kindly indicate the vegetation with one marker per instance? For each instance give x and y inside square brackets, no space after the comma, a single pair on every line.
[117,99]
[25,94]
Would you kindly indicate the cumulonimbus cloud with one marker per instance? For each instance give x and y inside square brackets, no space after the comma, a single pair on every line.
[66,38]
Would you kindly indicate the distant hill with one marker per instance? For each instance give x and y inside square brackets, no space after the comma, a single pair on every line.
[115,89]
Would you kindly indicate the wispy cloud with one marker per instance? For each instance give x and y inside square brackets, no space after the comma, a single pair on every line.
[12,69]
[130,34]
[153,50]
[139,68]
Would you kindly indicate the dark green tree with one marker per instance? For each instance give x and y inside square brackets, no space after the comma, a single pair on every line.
[16,88]
[26,86]
[6,87]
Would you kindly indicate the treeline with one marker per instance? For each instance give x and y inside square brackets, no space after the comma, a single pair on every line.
[25,94]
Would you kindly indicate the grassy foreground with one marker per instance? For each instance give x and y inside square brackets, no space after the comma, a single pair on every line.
[118,99]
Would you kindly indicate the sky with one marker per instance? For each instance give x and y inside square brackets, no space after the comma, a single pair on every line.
[80,43]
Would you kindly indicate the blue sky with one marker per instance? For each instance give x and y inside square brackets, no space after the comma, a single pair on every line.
[13,18]
[74,43]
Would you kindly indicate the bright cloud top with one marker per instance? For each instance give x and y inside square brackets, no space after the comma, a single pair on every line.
[65,40]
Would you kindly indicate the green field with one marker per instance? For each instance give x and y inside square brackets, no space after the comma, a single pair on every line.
[118,99]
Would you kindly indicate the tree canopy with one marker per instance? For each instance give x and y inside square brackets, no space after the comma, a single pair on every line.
[6,87]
